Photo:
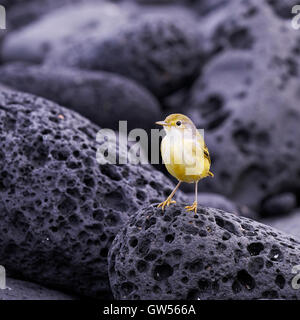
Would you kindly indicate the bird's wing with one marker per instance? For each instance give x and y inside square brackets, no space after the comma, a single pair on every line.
[206,153]
[201,144]
[195,149]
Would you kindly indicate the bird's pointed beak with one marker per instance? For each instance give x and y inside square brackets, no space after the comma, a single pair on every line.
[161,123]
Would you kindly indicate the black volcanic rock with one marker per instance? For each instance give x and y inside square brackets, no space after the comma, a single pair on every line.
[24,290]
[102,97]
[251,26]
[280,204]
[247,28]
[218,201]
[161,51]
[59,208]
[77,20]
[247,101]
[253,156]
[210,255]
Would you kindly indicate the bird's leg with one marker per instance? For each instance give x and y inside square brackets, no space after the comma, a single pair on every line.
[169,199]
[194,206]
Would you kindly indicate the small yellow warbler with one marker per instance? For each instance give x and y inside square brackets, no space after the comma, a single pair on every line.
[185,154]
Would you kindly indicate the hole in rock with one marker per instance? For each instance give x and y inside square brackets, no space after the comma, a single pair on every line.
[169,238]
[162,272]
[246,280]
[280,281]
[255,248]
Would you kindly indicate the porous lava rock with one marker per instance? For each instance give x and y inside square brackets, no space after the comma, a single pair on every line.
[218,201]
[59,208]
[246,25]
[24,290]
[246,99]
[160,50]
[37,39]
[209,255]
[102,97]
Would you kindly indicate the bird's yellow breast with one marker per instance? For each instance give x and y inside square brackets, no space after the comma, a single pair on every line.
[184,157]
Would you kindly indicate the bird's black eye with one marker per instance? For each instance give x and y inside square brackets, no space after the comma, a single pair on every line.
[178,123]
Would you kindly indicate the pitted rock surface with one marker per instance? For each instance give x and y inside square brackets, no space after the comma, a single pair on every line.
[242,99]
[217,201]
[102,97]
[245,25]
[162,51]
[60,209]
[210,255]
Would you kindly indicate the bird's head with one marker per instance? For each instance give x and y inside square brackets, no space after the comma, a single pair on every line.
[177,121]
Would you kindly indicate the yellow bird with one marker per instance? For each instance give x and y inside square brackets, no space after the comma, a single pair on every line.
[185,154]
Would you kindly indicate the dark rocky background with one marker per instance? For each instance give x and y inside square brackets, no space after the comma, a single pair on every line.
[71,228]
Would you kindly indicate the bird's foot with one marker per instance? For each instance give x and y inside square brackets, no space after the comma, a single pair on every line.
[165,203]
[193,207]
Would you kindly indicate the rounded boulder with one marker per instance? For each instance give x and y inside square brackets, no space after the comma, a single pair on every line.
[60,208]
[102,97]
[177,255]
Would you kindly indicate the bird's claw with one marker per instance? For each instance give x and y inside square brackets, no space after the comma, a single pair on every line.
[166,203]
[193,207]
